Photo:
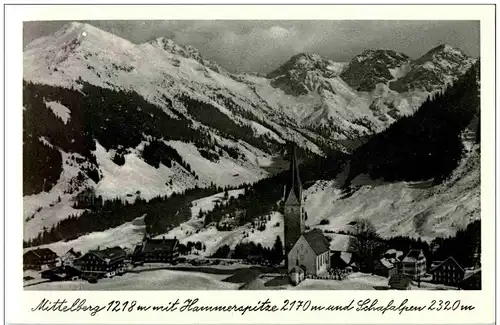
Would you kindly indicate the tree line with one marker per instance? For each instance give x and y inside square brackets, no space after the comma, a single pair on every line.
[161,215]
[426,144]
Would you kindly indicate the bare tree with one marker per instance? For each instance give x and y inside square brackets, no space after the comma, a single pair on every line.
[365,242]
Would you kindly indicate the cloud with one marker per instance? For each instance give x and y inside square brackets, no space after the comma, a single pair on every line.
[261,46]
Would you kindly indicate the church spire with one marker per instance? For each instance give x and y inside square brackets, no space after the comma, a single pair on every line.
[294,183]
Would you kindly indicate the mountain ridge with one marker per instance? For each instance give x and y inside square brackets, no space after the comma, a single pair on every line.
[210,126]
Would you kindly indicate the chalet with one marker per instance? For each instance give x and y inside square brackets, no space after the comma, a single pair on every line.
[471,281]
[156,250]
[311,252]
[414,264]
[69,257]
[393,255]
[400,281]
[448,272]
[38,258]
[341,260]
[61,273]
[385,267]
[341,255]
[102,263]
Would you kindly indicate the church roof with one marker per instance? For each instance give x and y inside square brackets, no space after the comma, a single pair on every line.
[293,182]
[317,241]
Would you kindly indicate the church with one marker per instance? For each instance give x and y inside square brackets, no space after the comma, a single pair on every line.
[309,250]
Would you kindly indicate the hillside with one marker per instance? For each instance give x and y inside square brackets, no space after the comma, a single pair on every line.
[140,122]
[415,209]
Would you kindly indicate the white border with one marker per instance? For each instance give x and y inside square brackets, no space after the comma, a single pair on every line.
[19,302]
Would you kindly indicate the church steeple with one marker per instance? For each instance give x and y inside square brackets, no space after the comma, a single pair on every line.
[293,185]
[293,209]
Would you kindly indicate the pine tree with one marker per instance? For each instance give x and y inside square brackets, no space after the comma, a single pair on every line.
[277,251]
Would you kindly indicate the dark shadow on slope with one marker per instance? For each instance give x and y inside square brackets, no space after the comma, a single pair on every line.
[278,281]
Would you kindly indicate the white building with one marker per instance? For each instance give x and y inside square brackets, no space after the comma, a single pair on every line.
[311,252]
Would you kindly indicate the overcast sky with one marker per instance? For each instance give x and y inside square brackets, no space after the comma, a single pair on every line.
[261,46]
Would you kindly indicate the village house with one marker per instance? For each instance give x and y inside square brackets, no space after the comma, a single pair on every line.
[156,251]
[385,267]
[471,281]
[414,264]
[393,256]
[102,263]
[39,258]
[341,256]
[389,264]
[308,250]
[448,272]
[68,259]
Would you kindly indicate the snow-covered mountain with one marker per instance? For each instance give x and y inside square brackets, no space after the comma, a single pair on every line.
[409,209]
[373,67]
[156,118]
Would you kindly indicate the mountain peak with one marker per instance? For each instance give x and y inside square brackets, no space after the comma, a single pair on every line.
[304,73]
[301,62]
[186,51]
[170,46]
[443,50]
[374,66]
[443,63]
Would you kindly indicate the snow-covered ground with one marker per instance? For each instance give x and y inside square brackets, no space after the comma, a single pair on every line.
[127,236]
[46,209]
[411,209]
[148,280]
[157,73]
[216,279]
[414,209]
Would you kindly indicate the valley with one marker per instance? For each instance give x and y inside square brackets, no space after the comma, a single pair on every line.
[126,141]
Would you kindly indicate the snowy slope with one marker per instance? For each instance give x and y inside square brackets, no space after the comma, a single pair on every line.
[412,209]
[126,236]
[308,101]
[194,229]
[81,52]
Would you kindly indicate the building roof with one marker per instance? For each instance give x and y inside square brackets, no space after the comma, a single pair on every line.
[112,254]
[412,255]
[448,260]
[152,245]
[470,274]
[317,241]
[41,251]
[293,182]
[399,281]
[346,257]
[394,252]
[73,253]
[340,242]
[386,263]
